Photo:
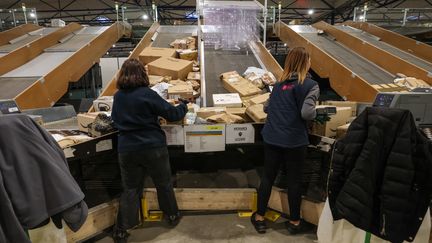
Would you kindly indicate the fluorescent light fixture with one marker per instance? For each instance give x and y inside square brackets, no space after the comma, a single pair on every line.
[145,17]
[311,11]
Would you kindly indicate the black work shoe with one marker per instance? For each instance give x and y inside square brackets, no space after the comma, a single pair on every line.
[260,226]
[174,220]
[296,229]
[120,236]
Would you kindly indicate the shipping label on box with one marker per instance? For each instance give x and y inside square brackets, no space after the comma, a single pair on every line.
[227,100]
[240,133]
[204,138]
[174,134]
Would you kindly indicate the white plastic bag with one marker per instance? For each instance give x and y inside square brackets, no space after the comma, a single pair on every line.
[342,231]
[162,89]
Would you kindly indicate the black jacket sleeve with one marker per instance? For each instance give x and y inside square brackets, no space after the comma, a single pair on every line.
[164,109]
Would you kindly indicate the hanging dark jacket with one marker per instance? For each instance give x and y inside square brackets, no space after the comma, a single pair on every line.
[35,182]
[380,177]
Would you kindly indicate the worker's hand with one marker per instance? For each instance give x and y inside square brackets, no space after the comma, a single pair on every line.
[321,119]
[184,101]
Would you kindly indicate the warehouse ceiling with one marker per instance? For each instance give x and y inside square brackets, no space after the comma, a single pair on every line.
[182,11]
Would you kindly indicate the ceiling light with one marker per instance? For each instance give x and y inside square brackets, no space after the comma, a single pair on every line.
[311,11]
[32,15]
[145,17]
[361,17]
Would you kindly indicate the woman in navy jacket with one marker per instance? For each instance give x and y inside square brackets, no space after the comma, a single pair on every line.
[142,145]
[285,135]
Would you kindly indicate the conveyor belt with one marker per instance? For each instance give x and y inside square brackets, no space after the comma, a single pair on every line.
[25,39]
[167,34]
[217,62]
[40,66]
[11,87]
[58,59]
[357,64]
[389,48]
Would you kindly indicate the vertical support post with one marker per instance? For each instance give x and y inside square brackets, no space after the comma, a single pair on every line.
[36,17]
[274,18]
[24,9]
[117,13]
[123,14]
[365,13]
[265,23]
[332,20]
[355,14]
[13,16]
[279,15]
[405,17]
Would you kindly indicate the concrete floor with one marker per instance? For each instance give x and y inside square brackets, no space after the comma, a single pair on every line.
[214,228]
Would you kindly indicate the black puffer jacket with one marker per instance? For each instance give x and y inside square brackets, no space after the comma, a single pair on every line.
[380,180]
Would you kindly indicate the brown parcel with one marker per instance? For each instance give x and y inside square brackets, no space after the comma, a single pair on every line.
[241,86]
[239,112]
[328,129]
[150,54]
[176,68]
[195,85]
[225,118]
[194,76]
[177,82]
[342,130]
[351,104]
[229,75]
[256,112]
[205,112]
[260,99]
[184,91]
[84,119]
[190,55]
[153,79]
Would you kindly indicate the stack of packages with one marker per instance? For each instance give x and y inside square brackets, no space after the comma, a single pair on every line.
[246,101]
[174,72]
[346,111]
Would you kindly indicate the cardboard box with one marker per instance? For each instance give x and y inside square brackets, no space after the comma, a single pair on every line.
[241,86]
[260,99]
[177,82]
[190,55]
[176,68]
[225,118]
[351,104]
[103,103]
[150,54]
[231,74]
[179,44]
[239,112]
[194,76]
[328,129]
[342,130]
[195,85]
[205,112]
[153,79]
[256,112]
[227,100]
[184,91]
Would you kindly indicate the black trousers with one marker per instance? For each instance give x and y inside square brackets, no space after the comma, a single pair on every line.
[134,166]
[290,159]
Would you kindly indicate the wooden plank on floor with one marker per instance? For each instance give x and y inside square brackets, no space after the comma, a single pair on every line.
[310,211]
[207,199]
[99,218]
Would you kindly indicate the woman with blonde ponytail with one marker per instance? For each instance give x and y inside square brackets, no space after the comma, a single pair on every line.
[285,135]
